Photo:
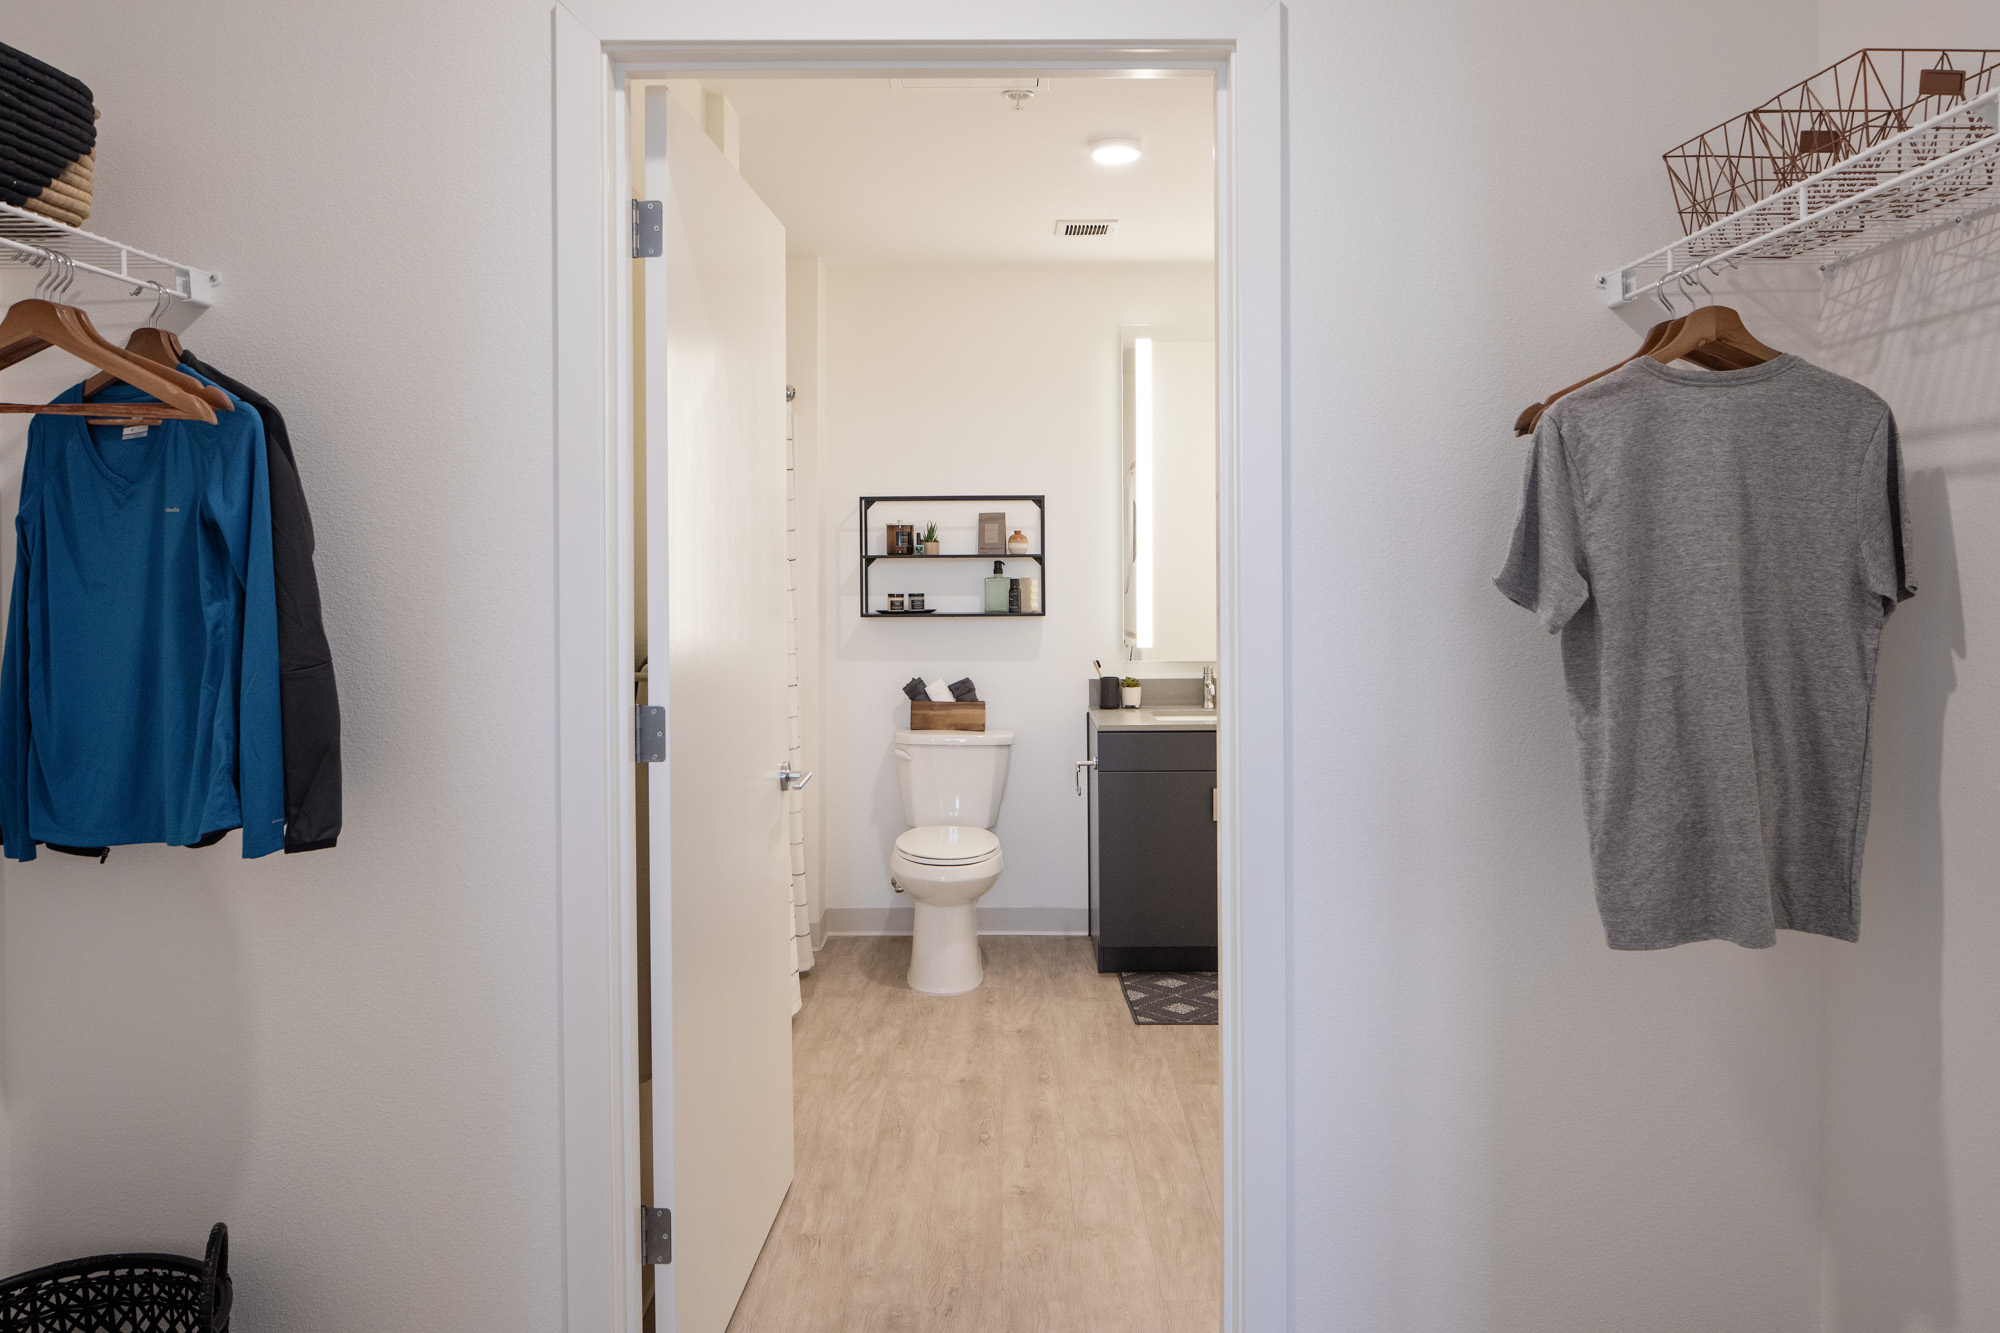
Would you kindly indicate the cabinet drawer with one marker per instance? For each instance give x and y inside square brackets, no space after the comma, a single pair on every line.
[1155,752]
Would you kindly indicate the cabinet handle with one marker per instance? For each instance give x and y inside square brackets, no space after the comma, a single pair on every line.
[1082,764]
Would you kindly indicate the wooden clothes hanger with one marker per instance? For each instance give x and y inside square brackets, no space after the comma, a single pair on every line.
[1711,336]
[35,325]
[1531,415]
[1718,332]
[162,348]
[42,322]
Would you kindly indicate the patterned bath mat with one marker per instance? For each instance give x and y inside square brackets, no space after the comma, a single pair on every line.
[1170,997]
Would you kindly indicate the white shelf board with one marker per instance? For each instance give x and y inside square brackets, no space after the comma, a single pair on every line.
[1942,172]
[26,236]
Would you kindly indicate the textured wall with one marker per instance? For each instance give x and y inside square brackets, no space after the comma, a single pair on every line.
[1501,1124]
[349,1055]
[1913,1078]
[1913,1081]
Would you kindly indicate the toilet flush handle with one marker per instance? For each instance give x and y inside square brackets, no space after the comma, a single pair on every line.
[1082,764]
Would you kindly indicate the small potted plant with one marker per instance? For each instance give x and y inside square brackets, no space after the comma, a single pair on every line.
[927,543]
[1128,691]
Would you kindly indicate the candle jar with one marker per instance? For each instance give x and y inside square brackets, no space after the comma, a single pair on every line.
[895,601]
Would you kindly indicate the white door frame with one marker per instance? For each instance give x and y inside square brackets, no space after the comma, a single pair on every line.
[594,545]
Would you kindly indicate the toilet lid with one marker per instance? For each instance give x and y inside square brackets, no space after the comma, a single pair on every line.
[947,844]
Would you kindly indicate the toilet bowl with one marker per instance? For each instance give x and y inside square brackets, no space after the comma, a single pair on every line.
[945,869]
[952,784]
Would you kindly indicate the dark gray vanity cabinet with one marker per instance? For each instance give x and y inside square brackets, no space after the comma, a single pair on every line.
[1152,850]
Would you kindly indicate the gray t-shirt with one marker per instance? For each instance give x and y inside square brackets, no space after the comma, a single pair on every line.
[1719,550]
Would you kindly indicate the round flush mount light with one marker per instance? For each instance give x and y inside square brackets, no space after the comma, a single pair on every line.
[1114,152]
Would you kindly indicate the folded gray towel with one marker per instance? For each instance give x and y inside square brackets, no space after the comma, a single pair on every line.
[916,689]
[962,691]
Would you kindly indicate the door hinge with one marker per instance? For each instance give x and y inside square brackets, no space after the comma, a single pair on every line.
[650,740]
[647,235]
[658,1226]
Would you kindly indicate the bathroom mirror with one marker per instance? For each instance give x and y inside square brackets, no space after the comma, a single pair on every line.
[1169,495]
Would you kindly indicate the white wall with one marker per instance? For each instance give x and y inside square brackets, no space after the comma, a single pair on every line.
[1913,1080]
[1913,1084]
[349,1055]
[957,381]
[1501,1124]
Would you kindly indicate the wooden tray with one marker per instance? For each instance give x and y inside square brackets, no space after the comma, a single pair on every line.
[927,716]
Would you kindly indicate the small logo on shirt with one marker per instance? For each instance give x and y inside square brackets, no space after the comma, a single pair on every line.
[173,509]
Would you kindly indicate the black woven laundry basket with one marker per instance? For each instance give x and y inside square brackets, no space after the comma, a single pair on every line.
[123,1293]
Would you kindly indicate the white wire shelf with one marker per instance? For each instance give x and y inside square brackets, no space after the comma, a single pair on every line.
[30,238]
[1942,172]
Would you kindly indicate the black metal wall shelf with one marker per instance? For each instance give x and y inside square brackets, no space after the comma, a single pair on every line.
[869,558]
[1024,555]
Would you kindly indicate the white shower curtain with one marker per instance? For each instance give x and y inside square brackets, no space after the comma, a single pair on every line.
[802,952]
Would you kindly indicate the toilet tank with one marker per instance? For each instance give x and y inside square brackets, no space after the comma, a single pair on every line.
[952,777]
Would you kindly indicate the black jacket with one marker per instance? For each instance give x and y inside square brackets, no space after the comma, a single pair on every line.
[307,697]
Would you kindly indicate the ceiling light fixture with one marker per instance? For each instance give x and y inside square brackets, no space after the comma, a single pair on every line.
[1114,152]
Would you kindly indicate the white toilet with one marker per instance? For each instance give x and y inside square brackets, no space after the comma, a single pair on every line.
[952,783]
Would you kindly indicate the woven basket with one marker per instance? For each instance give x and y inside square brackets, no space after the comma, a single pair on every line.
[1851,105]
[124,1293]
[48,138]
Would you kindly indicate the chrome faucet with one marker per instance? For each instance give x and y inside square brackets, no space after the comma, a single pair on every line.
[1208,687]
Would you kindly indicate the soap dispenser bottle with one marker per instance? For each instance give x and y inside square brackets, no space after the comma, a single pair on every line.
[997,589]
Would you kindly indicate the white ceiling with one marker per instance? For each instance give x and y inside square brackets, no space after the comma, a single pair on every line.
[861,172]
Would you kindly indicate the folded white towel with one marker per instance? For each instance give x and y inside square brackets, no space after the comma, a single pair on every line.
[939,692]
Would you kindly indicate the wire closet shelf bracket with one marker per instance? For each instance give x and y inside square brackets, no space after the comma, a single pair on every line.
[28,238]
[1940,172]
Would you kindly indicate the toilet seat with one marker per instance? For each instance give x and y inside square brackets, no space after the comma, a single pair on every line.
[947,845]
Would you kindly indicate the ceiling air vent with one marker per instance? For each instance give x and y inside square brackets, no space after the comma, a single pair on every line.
[1085,226]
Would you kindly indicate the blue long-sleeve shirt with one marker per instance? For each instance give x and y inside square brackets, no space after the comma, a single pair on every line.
[139,695]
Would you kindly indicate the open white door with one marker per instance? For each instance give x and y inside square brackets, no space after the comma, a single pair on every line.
[716,612]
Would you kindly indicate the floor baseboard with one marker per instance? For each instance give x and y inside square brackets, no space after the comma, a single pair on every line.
[992,920]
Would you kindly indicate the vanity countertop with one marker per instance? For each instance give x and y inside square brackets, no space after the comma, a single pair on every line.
[1167,718]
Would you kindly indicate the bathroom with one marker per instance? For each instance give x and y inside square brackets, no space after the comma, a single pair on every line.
[945,339]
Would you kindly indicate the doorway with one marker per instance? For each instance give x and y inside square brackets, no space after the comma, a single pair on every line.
[1006,1137]
[599,1043]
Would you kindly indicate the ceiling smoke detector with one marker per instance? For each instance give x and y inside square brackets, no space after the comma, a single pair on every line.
[1085,226]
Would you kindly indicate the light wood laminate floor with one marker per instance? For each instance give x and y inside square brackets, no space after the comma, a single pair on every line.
[1020,1159]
